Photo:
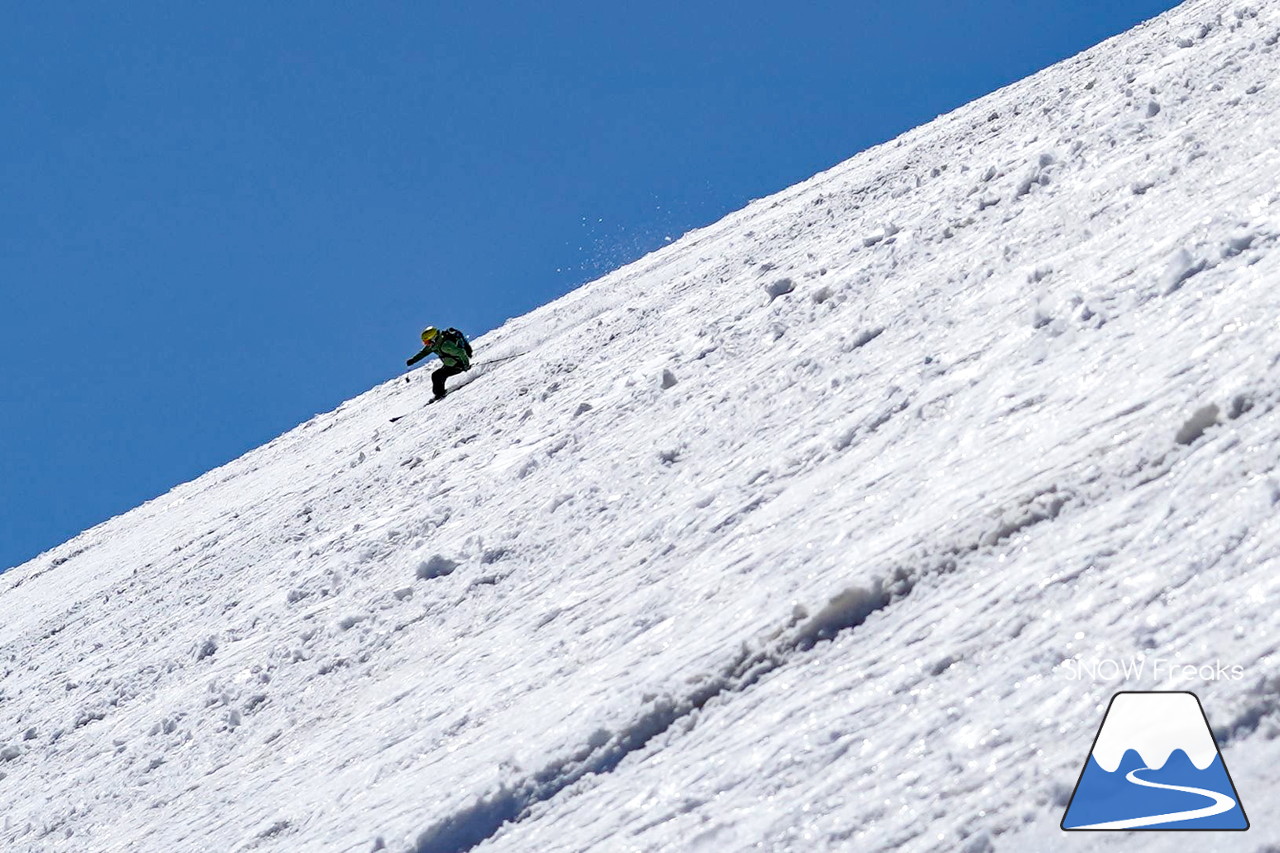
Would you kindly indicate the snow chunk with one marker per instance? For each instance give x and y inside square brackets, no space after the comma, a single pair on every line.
[888,231]
[1181,267]
[207,649]
[861,339]
[822,294]
[1189,39]
[848,609]
[437,566]
[1204,417]
[346,623]
[1240,241]
[781,287]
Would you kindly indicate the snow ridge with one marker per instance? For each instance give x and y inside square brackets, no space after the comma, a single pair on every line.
[667,717]
[604,751]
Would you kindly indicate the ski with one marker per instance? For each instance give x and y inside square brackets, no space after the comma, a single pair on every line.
[452,391]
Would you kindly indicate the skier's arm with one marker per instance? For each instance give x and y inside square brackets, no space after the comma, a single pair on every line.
[426,351]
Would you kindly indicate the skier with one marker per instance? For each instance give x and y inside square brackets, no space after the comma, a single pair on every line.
[454,352]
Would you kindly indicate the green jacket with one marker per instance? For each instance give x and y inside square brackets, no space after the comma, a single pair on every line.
[452,353]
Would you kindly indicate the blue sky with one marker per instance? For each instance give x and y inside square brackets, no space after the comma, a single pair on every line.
[219,219]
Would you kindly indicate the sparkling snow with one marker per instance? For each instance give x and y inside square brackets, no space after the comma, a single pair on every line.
[791,536]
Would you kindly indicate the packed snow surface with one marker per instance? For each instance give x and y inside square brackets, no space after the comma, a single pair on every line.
[816,530]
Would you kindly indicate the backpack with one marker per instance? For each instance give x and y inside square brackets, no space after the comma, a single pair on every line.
[453,335]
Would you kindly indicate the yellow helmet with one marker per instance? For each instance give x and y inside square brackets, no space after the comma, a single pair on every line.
[429,334]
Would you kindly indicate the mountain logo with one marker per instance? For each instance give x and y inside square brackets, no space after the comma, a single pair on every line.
[1155,765]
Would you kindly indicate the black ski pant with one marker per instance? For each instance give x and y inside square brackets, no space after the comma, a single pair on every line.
[440,375]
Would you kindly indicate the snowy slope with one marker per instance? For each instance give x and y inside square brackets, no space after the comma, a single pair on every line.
[787,537]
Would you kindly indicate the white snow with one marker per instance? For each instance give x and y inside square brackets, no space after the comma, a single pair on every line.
[722,563]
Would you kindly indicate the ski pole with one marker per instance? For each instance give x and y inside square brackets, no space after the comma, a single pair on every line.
[496,360]
[490,361]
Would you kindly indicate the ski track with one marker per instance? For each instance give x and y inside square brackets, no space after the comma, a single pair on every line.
[1221,804]
[777,539]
